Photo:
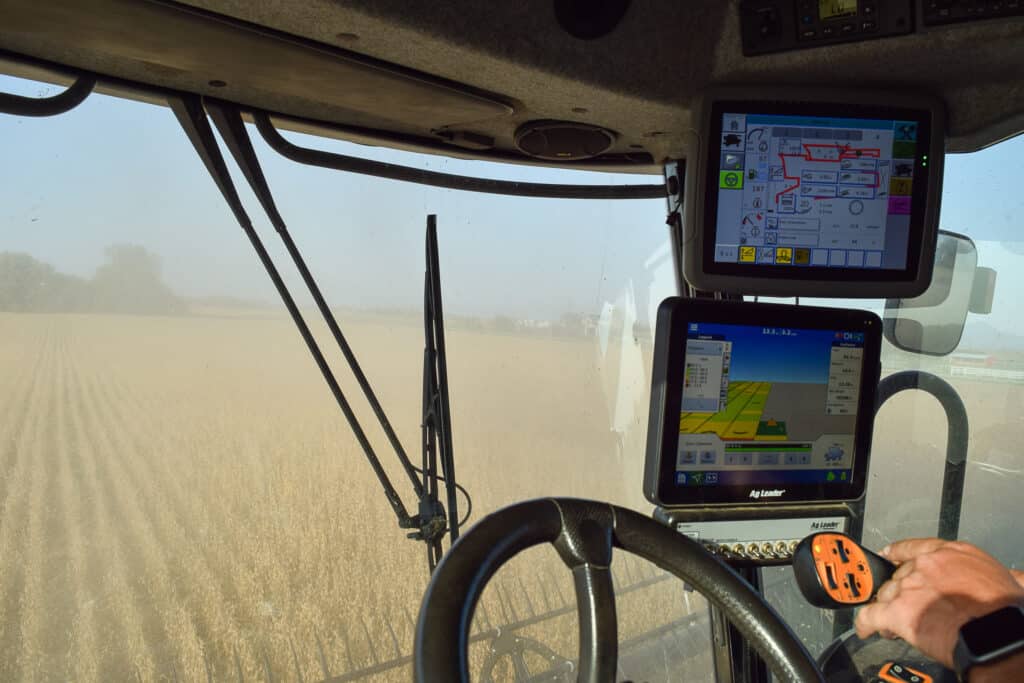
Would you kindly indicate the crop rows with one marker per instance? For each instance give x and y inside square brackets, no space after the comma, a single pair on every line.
[179,499]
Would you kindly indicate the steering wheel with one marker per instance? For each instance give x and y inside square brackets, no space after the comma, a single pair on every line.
[584,533]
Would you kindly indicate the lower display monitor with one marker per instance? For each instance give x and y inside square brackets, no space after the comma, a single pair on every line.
[760,403]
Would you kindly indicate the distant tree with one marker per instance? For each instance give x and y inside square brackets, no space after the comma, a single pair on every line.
[22,281]
[27,284]
[131,281]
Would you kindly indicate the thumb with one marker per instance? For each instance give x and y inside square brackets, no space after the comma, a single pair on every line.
[901,551]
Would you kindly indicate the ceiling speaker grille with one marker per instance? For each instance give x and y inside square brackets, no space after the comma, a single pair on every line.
[563,140]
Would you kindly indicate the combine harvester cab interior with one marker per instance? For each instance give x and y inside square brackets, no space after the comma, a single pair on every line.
[649,324]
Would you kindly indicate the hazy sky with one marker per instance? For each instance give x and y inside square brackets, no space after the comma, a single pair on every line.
[118,171]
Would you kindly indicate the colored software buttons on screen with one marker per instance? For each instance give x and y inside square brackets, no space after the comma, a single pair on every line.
[796,459]
[900,187]
[899,206]
[784,255]
[732,141]
[905,131]
[734,123]
[730,180]
[802,257]
[732,161]
[902,168]
[745,459]
[748,254]
[726,254]
[902,150]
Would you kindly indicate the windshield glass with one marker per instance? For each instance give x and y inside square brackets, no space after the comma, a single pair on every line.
[182,499]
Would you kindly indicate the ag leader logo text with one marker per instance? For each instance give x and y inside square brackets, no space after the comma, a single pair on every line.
[767,493]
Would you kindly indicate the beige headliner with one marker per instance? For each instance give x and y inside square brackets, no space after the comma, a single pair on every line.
[487,67]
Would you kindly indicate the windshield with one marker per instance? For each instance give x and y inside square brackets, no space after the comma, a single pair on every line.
[183,500]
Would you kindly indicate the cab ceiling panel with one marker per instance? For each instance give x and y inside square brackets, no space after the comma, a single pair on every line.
[173,46]
[421,75]
[640,79]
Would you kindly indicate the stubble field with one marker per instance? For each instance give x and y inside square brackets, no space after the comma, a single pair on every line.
[181,500]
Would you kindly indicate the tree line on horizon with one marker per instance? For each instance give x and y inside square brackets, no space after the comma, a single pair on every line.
[129,281]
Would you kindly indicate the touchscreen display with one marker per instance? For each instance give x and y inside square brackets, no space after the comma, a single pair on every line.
[768,406]
[814,191]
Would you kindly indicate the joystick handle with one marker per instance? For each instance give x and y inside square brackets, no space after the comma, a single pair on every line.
[833,571]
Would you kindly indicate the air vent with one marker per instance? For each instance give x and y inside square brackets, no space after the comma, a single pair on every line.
[563,140]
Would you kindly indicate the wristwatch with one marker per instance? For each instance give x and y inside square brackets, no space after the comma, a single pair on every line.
[988,639]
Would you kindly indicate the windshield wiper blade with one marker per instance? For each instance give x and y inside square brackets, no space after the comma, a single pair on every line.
[437,420]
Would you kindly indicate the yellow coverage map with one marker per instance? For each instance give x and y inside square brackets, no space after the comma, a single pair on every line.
[741,418]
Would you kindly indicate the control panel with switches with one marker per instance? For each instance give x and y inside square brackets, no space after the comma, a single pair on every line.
[763,540]
[779,25]
[942,12]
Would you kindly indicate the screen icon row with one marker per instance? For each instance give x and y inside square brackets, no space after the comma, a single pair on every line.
[800,256]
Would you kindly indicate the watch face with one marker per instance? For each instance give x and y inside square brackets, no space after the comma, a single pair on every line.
[994,632]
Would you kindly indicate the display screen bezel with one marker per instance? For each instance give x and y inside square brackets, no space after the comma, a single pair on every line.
[672,349]
[919,192]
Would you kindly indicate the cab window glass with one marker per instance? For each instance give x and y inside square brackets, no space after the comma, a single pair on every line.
[182,500]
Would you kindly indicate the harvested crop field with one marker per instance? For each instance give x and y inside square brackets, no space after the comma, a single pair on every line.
[181,500]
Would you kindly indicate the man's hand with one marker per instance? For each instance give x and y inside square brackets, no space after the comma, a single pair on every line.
[939,586]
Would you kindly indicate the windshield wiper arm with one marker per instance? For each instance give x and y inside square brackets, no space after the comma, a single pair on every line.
[190,114]
[228,120]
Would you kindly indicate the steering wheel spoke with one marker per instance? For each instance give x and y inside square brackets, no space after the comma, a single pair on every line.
[585,545]
[584,533]
[598,622]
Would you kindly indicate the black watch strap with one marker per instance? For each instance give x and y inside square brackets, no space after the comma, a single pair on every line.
[989,638]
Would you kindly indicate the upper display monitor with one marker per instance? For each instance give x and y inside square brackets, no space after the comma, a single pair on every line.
[819,191]
[815,198]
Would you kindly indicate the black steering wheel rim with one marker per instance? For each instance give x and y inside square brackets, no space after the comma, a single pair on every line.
[584,533]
